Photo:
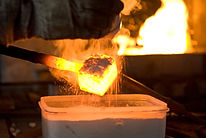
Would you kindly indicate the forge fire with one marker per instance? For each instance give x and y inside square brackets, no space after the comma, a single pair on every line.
[145,78]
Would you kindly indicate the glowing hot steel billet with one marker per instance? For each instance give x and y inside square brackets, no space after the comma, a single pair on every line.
[97,74]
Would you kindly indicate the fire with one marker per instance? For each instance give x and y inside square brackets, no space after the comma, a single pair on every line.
[97,74]
[164,33]
[124,41]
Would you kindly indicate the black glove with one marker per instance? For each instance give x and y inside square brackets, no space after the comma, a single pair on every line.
[95,17]
[58,19]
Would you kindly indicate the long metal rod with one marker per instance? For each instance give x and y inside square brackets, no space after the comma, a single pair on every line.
[24,54]
[174,106]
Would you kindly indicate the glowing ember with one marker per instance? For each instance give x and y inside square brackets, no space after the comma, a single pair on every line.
[97,74]
[163,33]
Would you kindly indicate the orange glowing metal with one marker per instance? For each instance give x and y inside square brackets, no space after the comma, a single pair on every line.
[63,64]
[97,74]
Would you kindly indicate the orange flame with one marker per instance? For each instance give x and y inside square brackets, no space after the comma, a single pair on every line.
[164,33]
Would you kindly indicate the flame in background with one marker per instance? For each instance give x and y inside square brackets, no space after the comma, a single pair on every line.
[164,33]
[124,41]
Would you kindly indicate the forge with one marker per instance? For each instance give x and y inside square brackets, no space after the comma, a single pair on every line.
[164,70]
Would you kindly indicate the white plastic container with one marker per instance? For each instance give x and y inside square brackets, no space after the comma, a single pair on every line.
[110,116]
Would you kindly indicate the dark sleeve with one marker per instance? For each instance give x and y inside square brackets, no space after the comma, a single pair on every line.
[15,19]
[57,19]
[8,15]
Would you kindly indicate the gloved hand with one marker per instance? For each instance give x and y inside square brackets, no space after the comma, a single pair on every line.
[58,19]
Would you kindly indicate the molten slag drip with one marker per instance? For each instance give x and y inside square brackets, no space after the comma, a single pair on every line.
[97,74]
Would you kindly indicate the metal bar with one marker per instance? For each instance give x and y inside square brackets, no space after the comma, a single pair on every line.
[24,54]
[174,106]
[27,83]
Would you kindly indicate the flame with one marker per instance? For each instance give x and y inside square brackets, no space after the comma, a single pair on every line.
[164,33]
[97,74]
[124,41]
